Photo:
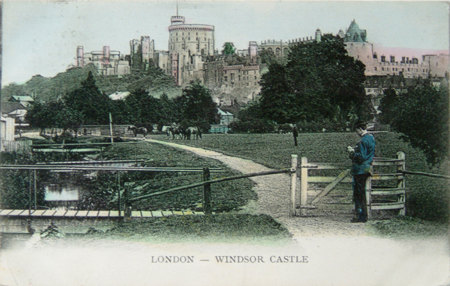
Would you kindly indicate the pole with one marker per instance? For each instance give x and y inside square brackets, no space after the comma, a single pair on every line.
[118,193]
[303,185]
[368,193]
[35,190]
[29,192]
[126,196]
[206,192]
[110,128]
[401,182]
[293,182]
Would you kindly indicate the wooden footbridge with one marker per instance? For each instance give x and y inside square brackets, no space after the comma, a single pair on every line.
[88,214]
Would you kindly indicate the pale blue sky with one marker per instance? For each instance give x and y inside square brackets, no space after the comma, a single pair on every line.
[41,36]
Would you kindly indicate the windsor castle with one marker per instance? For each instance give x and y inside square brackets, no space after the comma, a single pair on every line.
[192,55]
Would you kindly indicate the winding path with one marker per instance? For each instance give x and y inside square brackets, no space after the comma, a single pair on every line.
[274,199]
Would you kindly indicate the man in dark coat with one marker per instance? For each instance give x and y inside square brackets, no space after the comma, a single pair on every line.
[362,157]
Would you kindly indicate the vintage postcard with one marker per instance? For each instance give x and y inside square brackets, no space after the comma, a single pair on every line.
[150,142]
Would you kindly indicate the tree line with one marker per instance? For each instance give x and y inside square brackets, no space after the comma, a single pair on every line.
[87,105]
[420,115]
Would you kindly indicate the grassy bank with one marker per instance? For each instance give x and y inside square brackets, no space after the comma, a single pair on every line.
[215,228]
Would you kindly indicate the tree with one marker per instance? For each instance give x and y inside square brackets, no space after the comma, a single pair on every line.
[267,56]
[320,82]
[38,116]
[142,108]
[277,101]
[68,119]
[196,106]
[421,115]
[92,104]
[168,110]
[228,49]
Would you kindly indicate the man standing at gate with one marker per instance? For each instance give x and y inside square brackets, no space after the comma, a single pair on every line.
[362,157]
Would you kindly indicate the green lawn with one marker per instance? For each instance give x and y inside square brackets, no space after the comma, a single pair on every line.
[426,197]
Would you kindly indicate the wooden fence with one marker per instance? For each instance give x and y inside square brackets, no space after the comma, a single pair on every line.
[385,188]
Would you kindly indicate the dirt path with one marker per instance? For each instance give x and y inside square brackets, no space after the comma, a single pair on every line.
[274,199]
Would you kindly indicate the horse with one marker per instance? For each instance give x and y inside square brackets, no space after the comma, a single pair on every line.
[137,130]
[195,132]
[176,132]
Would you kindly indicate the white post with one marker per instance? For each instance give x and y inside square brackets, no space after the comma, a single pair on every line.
[368,189]
[303,185]
[401,183]
[293,182]
[110,128]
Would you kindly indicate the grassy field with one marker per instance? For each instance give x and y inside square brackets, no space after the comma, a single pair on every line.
[426,197]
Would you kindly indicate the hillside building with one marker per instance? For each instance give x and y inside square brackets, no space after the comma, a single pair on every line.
[107,62]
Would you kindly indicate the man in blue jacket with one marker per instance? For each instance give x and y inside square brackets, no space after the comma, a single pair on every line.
[362,157]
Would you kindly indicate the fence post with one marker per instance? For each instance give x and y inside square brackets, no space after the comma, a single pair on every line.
[118,194]
[401,182]
[294,165]
[303,185]
[111,128]
[126,197]
[206,192]
[35,189]
[368,190]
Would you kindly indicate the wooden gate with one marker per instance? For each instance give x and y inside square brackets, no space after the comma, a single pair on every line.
[385,188]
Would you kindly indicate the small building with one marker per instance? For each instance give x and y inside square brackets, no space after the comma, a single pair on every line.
[14,110]
[225,117]
[25,100]
[7,129]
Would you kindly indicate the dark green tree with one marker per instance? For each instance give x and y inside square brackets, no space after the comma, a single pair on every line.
[39,116]
[196,106]
[267,57]
[320,82]
[68,119]
[277,101]
[93,105]
[142,108]
[421,115]
[168,110]
[228,49]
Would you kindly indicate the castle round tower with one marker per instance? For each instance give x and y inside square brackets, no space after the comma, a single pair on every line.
[188,43]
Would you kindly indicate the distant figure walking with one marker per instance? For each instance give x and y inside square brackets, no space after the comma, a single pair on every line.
[362,157]
[295,134]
